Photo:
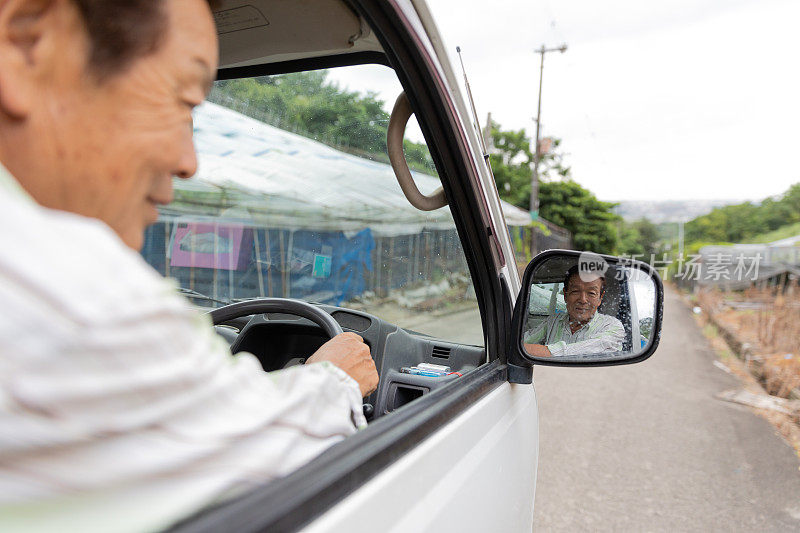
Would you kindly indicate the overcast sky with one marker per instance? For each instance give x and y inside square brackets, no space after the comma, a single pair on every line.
[677,99]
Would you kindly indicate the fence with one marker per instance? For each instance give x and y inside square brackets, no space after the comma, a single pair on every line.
[222,264]
[529,241]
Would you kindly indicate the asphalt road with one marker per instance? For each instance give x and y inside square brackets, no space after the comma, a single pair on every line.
[647,447]
[464,326]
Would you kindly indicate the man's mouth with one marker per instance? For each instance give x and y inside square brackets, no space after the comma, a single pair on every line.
[154,203]
[160,200]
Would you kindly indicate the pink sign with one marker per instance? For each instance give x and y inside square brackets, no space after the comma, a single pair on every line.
[203,245]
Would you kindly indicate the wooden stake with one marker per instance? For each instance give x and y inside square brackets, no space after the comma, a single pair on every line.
[258,263]
[269,261]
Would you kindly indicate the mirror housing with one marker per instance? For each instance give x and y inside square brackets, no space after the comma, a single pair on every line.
[627,313]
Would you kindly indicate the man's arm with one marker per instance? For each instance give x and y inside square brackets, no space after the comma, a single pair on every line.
[128,400]
[534,338]
[606,339]
[538,350]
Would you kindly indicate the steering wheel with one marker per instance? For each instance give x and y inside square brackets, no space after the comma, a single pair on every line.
[278,305]
[282,305]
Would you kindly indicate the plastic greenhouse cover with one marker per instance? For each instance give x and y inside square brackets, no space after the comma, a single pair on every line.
[260,175]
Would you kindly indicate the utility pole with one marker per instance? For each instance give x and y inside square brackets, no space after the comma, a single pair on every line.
[534,205]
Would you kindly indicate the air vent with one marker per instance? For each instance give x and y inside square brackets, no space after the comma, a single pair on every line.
[440,352]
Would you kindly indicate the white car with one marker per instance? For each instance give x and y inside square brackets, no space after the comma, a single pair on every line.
[298,199]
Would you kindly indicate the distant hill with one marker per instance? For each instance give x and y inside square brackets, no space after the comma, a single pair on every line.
[667,210]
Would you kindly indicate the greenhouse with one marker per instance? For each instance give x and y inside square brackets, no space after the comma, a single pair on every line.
[273,213]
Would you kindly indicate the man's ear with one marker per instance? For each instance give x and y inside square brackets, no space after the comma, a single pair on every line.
[24,25]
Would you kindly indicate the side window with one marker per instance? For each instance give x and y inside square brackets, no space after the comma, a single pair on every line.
[295,198]
[546,299]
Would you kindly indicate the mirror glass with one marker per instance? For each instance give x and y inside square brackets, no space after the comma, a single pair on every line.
[596,308]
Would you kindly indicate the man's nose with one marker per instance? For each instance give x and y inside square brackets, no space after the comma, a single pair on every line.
[187,162]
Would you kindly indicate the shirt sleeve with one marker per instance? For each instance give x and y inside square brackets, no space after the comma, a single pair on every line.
[557,348]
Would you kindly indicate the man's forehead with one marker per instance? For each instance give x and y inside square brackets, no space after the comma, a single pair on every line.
[193,32]
[576,282]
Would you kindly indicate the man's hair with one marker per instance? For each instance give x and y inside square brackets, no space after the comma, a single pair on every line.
[573,271]
[121,31]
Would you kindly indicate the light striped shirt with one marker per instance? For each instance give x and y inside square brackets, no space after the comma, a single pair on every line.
[120,408]
[602,334]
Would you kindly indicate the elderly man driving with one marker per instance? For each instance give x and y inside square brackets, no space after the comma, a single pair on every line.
[120,408]
[582,329]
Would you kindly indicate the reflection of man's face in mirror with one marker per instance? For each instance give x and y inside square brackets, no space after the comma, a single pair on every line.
[581,330]
[582,299]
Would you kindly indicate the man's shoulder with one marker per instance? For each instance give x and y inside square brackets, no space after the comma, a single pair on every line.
[72,263]
[608,320]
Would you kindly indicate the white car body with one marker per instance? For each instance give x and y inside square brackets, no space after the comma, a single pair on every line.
[477,470]
[468,476]
[463,456]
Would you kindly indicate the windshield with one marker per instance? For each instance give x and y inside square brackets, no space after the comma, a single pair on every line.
[295,198]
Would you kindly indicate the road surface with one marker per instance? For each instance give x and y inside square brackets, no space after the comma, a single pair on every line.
[647,447]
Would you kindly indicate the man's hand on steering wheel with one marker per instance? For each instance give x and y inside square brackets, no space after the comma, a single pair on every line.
[348,352]
[345,350]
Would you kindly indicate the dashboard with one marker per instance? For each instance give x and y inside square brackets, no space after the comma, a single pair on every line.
[281,340]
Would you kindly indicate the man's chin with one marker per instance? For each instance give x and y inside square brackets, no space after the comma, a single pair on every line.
[133,238]
[582,317]
[136,244]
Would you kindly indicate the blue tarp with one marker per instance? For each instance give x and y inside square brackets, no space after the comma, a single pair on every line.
[343,265]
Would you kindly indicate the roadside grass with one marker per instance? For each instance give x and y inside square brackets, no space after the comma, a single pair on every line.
[725,353]
[766,323]
[767,334]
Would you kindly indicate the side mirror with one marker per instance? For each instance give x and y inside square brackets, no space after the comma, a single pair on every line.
[586,309]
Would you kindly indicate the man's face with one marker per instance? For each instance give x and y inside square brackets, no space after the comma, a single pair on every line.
[114,145]
[583,298]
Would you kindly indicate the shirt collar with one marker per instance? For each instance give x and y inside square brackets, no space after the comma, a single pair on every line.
[10,186]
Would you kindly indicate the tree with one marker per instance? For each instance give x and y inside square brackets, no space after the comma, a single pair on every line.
[511,162]
[561,200]
[309,104]
[591,221]
[512,165]
[743,222]
[638,238]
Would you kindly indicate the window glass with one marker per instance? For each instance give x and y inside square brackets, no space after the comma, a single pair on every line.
[545,299]
[295,198]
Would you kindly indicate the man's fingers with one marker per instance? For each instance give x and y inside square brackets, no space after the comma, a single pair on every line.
[349,352]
